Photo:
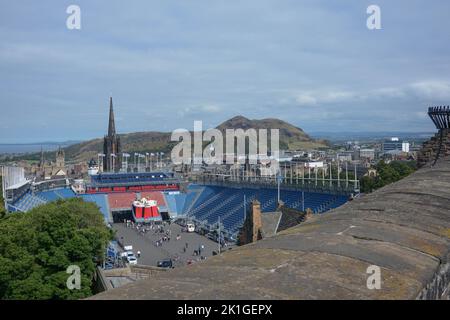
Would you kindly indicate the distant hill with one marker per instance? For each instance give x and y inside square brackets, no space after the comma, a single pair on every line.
[291,138]
[150,141]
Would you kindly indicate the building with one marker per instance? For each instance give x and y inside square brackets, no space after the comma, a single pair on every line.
[395,144]
[345,156]
[111,145]
[367,154]
[49,170]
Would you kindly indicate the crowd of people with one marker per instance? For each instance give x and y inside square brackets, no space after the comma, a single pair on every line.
[164,235]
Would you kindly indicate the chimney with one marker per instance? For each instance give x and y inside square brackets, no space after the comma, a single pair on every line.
[280,204]
[308,214]
[256,220]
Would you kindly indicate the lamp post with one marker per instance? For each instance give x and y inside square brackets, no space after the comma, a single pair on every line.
[100,155]
[151,164]
[346,174]
[279,178]
[125,157]
[141,156]
[161,160]
[135,165]
[113,157]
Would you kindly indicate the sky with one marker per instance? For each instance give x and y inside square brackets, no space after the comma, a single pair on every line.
[313,63]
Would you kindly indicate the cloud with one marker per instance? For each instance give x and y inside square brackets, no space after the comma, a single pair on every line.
[426,90]
[436,90]
[174,61]
[201,110]
[323,97]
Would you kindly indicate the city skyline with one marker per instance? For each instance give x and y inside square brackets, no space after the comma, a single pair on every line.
[166,64]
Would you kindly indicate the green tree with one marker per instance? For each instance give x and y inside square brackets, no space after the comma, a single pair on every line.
[386,174]
[2,208]
[37,247]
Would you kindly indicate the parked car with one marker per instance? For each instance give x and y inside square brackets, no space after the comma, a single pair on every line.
[132,260]
[166,263]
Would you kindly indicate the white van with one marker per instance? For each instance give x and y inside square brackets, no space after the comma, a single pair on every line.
[190,227]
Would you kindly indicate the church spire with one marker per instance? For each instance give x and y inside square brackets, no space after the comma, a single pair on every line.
[42,158]
[111,125]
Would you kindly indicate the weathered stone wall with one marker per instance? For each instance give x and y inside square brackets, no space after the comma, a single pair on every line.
[439,287]
[430,148]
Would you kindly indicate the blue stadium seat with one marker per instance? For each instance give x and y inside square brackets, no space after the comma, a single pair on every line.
[208,204]
[101,201]
[27,202]
[171,203]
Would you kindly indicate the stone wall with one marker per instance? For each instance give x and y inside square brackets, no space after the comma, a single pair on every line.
[430,148]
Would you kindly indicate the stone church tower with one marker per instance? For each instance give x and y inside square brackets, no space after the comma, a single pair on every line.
[111,145]
[60,158]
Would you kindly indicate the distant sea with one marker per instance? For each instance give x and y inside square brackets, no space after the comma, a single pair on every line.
[370,136]
[31,148]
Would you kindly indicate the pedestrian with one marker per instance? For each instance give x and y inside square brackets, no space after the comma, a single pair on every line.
[138,254]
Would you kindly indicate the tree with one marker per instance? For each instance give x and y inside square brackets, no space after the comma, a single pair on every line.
[38,246]
[2,209]
[386,174]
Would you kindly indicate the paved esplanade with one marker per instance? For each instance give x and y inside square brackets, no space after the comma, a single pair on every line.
[403,228]
[150,254]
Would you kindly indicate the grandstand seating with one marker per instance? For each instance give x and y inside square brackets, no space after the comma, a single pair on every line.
[55,194]
[212,202]
[171,203]
[65,193]
[180,200]
[121,200]
[101,201]
[155,195]
[27,202]
[204,204]
[193,193]
[108,178]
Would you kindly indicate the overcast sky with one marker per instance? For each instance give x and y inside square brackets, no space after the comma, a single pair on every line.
[170,62]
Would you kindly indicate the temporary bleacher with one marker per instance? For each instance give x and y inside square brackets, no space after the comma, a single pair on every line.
[27,202]
[101,201]
[171,200]
[119,201]
[55,194]
[212,203]
[65,193]
[158,196]
[192,196]
[155,195]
